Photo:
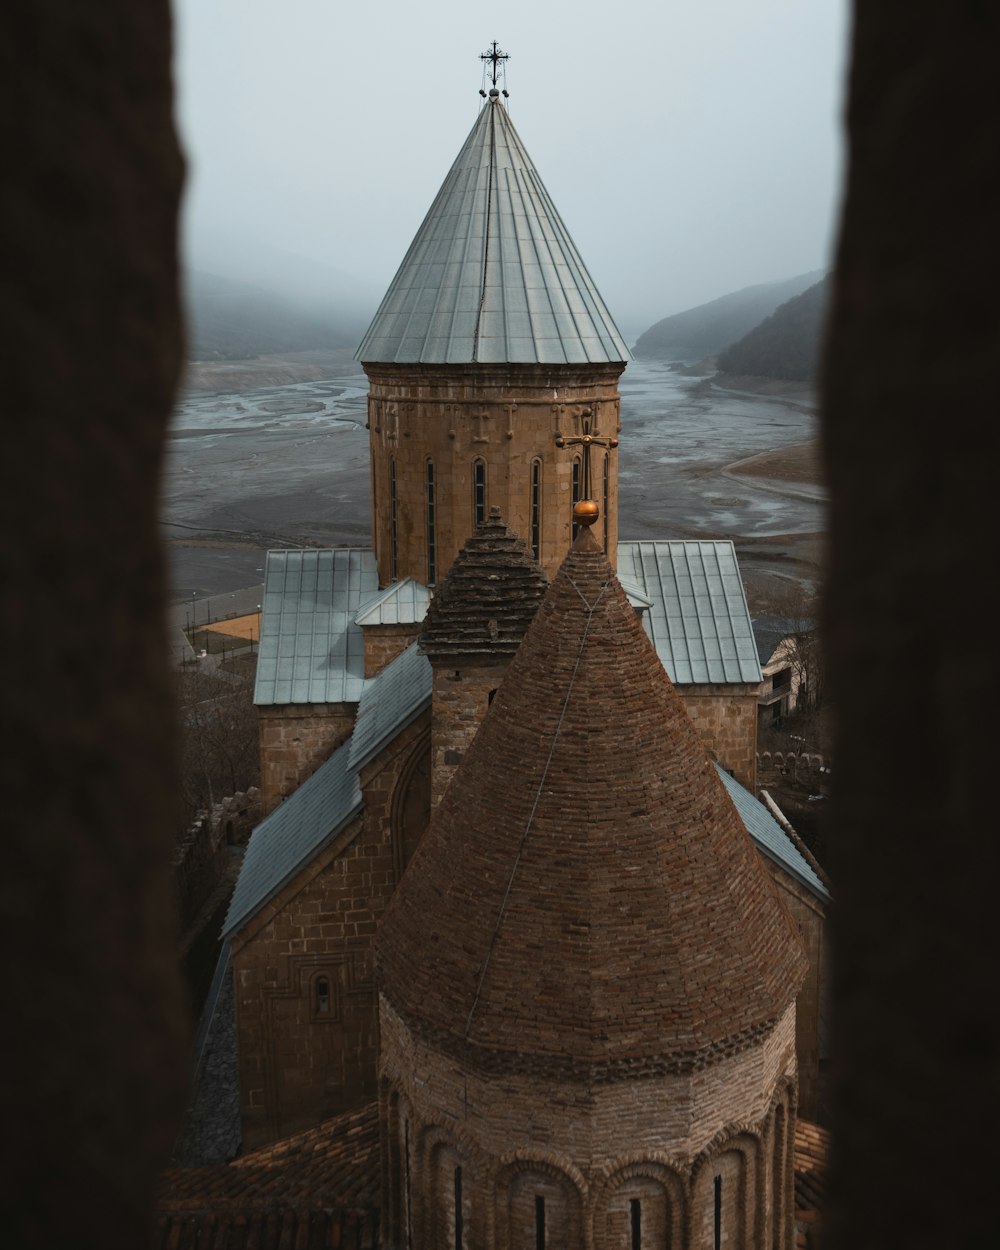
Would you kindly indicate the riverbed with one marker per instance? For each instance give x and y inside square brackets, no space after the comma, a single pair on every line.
[285,465]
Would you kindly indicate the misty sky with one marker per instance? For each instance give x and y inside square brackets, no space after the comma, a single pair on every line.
[691,148]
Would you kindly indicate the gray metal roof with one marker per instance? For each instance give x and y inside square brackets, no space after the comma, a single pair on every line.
[390,701]
[492,274]
[698,619]
[291,835]
[402,603]
[769,837]
[311,650]
[312,647]
[327,801]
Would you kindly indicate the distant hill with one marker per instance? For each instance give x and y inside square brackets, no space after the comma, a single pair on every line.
[786,344]
[710,328]
[233,320]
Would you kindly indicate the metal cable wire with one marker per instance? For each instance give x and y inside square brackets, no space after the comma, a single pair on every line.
[591,608]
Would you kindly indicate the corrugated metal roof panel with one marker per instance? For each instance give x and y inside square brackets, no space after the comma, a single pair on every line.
[770,837]
[389,702]
[402,603]
[698,619]
[311,650]
[288,838]
[492,274]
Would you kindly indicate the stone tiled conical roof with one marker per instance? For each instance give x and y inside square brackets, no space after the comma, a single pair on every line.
[492,275]
[586,900]
[489,597]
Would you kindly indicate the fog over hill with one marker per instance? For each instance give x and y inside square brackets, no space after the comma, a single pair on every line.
[233,320]
[786,344]
[245,299]
[710,328]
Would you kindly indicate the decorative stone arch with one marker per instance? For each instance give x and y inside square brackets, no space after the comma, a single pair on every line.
[398,1141]
[662,1193]
[524,1178]
[727,1176]
[441,1150]
[410,808]
[779,1165]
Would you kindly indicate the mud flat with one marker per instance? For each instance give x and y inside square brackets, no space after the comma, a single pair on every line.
[255,461]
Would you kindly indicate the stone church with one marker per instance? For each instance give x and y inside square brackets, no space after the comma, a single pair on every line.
[513,884]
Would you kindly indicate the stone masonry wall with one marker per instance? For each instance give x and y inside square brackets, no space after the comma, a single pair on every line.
[302,968]
[726,718]
[202,856]
[508,417]
[460,699]
[384,642]
[808,913]
[586,1150]
[295,738]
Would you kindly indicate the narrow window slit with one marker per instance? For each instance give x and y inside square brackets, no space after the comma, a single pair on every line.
[431,538]
[539,1222]
[479,493]
[606,495]
[635,1213]
[458,1209]
[393,527]
[536,507]
[718,1213]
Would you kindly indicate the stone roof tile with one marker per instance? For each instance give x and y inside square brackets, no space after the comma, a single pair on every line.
[488,598]
[320,1187]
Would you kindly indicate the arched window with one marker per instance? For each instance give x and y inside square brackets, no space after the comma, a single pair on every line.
[431,536]
[717,1218]
[577,479]
[635,1221]
[393,532]
[536,507]
[479,493]
[605,495]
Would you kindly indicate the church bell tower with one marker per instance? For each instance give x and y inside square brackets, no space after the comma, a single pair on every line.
[493,363]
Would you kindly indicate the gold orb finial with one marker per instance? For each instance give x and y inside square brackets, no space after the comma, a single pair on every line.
[586,512]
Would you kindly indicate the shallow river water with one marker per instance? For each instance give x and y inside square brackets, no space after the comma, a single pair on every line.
[289,465]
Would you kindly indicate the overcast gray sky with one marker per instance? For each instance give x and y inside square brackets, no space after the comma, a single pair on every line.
[692,148]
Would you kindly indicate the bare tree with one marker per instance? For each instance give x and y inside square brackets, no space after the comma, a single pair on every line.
[219,740]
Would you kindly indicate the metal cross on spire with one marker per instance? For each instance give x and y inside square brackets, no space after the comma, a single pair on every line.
[497,57]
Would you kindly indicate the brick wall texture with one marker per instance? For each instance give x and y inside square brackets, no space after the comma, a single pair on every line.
[585,789]
[507,417]
[588,1150]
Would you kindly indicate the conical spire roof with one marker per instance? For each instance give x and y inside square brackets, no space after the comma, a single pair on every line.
[492,275]
[586,900]
[488,598]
